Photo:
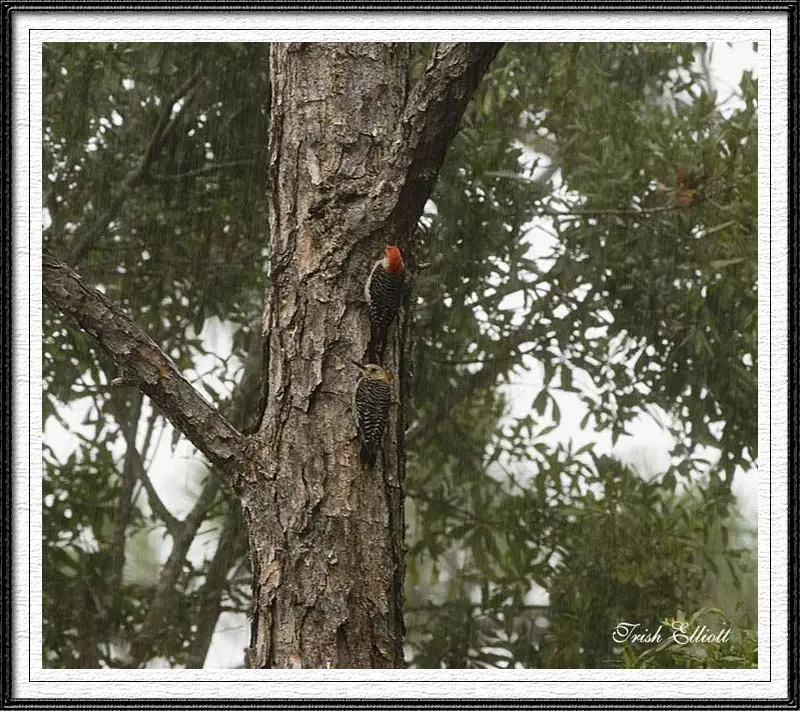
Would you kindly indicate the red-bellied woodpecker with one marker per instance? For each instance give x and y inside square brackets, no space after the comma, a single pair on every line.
[383,292]
[371,401]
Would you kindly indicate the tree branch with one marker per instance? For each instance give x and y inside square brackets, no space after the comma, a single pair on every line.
[232,546]
[165,124]
[156,504]
[622,212]
[154,621]
[474,382]
[215,168]
[116,541]
[142,360]
[429,123]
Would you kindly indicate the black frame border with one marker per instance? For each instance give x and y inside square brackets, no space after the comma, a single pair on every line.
[789,8]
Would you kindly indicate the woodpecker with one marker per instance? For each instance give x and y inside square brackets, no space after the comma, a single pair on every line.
[383,292]
[371,401]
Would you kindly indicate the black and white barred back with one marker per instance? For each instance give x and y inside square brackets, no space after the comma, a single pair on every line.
[372,400]
[385,295]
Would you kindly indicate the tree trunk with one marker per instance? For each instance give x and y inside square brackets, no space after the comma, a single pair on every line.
[353,160]
[325,535]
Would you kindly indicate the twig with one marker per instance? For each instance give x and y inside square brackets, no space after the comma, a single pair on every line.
[120,382]
[202,171]
[158,506]
[624,212]
[115,543]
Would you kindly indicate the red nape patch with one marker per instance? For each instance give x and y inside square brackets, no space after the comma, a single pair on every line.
[395,260]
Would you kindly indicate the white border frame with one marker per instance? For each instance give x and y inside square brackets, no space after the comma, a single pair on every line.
[768,681]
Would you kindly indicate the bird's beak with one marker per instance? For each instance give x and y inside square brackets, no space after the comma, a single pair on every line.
[357,364]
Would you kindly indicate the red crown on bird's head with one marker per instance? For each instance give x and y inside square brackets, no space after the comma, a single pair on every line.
[394,260]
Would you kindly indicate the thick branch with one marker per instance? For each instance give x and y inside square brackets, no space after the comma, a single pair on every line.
[429,123]
[143,361]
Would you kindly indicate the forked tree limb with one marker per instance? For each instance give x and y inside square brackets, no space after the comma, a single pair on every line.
[148,366]
[430,121]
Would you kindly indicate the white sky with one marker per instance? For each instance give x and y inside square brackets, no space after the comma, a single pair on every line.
[647,448]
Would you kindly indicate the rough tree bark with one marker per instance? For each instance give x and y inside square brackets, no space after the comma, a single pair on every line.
[325,589]
[353,159]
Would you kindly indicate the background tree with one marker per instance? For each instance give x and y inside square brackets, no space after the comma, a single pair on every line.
[633,293]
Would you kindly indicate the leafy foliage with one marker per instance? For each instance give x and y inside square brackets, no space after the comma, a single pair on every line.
[184,251]
[593,228]
[644,304]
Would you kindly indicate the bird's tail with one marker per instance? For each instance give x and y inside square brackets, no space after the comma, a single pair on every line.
[377,346]
[367,457]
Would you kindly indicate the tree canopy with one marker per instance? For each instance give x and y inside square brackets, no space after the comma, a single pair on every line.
[593,227]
